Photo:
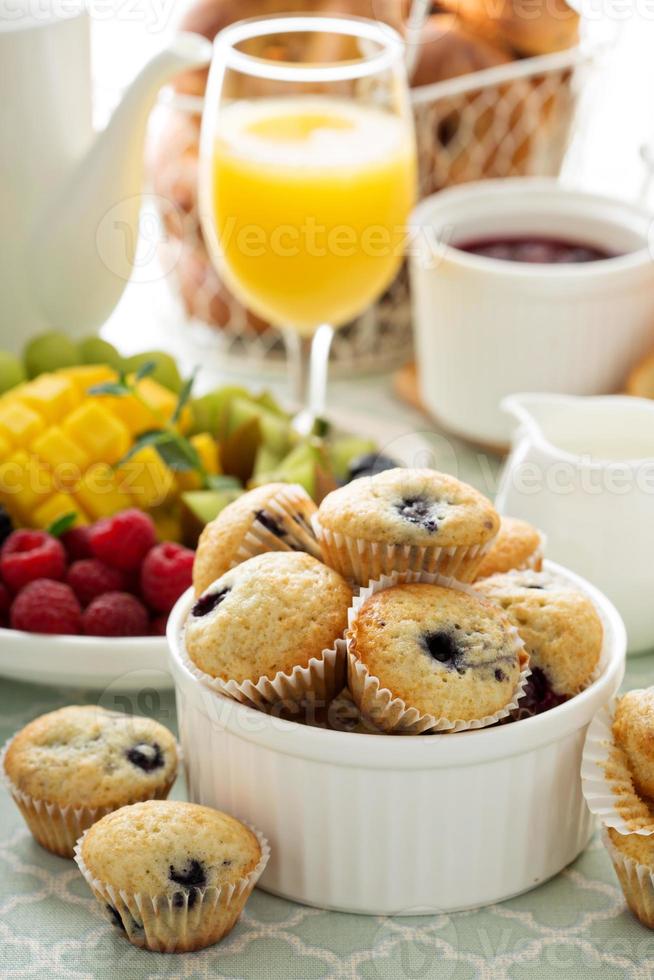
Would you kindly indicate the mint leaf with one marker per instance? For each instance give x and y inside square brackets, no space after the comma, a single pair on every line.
[150,438]
[62,524]
[145,370]
[184,396]
[109,388]
[178,454]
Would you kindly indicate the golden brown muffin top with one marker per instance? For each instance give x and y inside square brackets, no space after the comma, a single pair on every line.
[413,507]
[86,755]
[221,539]
[443,651]
[633,730]
[165,847]
[269,614]
[517,545]
[560,626]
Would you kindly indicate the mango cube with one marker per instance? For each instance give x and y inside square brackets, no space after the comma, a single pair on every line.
[19,424]
[51,395]
[87,376]
[207,449]
[99,494]
[57,506]
[57,449]
[146,478]
[158,409]
[25,483]
[102,436]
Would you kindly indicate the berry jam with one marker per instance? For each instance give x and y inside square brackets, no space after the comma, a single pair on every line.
[535,250]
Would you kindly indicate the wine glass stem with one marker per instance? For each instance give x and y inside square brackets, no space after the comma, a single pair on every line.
[309,363]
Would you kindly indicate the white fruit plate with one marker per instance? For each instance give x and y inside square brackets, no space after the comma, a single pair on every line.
[127,664]
[141,663]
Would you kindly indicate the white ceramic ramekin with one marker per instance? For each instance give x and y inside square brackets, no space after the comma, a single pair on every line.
[486,328]
[398,825]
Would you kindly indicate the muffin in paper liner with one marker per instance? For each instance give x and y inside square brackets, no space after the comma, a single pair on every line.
[392,715]
[636,881]
[156,923]
[320,681]
[366,561]
[57,828]
[606,780]
[291,505]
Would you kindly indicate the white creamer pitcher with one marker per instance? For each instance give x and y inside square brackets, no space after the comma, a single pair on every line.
[582,470]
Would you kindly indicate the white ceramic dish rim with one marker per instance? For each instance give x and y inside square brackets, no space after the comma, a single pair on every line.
[413,752]
[119,644]
[422,216]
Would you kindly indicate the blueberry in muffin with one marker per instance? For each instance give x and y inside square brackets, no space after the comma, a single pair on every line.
[405,520]
[275,517]
[561,629]
[444,652]
[171,876]
[70,767]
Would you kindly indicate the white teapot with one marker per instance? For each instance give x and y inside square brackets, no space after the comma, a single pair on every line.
[69,198]
[582,470]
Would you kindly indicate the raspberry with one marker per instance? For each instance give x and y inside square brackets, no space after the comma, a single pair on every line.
[165,574]
[115,614]
[158,625]
[77,543]
[123,540]
[45,606]
[90,578]
[30,555]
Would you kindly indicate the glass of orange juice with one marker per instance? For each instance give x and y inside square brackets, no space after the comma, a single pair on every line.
[307,176]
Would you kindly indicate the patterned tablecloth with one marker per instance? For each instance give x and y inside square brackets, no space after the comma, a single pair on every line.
[573,926]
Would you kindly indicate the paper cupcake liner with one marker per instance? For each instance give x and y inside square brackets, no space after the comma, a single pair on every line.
[366,561]
[321,680]
[392,715]
[607,783]
[57,828]
[288,504]
[636,881]
[157,923]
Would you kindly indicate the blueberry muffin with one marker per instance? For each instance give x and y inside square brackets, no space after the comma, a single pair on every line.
[275,517]
[560,627]
[446,653]
[68,768]
[273,614]
[172,877]
[405,520]
[633,730]
[517,545]
[633,859]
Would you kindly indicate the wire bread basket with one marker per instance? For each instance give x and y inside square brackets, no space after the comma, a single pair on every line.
[509,120]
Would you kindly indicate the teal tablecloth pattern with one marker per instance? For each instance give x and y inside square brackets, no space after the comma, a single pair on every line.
[50,927]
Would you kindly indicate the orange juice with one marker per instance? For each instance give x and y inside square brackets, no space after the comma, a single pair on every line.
[309,199]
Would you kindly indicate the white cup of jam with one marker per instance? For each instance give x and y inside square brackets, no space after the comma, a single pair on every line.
[524,284]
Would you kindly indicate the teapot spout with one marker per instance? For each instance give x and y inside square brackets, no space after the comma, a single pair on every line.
[84,246]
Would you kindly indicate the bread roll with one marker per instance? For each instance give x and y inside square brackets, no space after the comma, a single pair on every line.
[208,17]
[448,50]
[529,27]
